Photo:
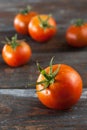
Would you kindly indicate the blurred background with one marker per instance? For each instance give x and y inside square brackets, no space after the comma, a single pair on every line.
[64,12]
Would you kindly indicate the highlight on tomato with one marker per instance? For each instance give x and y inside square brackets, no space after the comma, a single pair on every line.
[16,52]
[42,28]
[22,20]
[76,34]
[58,86]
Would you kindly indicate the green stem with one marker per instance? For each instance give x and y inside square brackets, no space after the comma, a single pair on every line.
[26,10]
[51,62]
[37,83]
[49,78]
[48,17]
[13,42]
[44,23]
[43,72]
[79,22]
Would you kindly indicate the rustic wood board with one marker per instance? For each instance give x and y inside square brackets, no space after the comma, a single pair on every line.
[21,110]
[21,76]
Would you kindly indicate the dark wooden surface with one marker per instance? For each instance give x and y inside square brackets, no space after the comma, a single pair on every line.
[19,107]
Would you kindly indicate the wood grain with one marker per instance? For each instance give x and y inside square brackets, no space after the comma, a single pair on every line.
[20,77]
[26,112]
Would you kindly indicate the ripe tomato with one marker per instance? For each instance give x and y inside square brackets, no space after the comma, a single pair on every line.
[59,86]
[76,35]
[16,52]
[42,27]
[22,20]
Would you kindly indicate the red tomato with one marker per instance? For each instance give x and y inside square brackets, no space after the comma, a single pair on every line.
[42,28]
[16,52]
[22,20]
[60,87]
[76,35]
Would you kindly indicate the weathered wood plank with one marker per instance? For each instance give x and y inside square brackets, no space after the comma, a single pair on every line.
[18,112]
[30,93]
[21,76]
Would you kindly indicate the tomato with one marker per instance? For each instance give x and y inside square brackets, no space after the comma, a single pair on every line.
[59,86]
[42,28]
[76,34]
[22,20]
[16,52]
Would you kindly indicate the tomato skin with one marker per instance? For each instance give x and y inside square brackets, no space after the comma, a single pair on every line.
[64,92]
[18,56]
[21,22]
[37,32]
[76,36]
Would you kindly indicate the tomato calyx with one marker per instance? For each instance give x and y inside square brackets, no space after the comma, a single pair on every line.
[44,23]
[13,42]
[79,22]
[26,10]
[49,77]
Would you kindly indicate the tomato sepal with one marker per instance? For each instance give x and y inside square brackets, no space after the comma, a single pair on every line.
[49,77]
[44,23]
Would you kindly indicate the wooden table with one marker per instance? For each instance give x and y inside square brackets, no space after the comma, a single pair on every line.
[19,107]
